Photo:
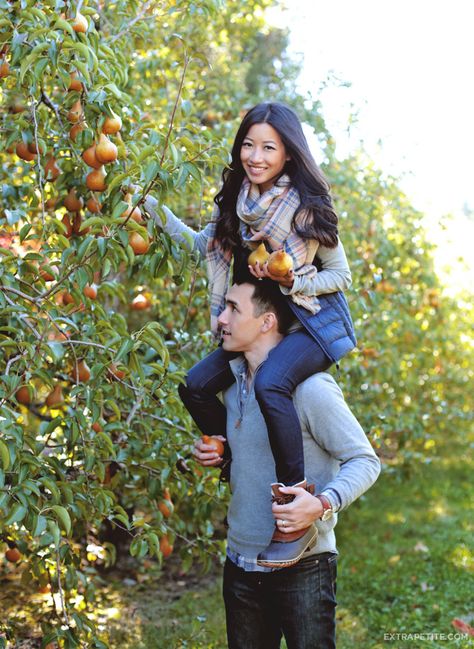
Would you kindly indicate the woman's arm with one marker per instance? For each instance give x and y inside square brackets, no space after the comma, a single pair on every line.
[334,276]
[177,230]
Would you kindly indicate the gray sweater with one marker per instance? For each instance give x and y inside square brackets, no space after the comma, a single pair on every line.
[337,456]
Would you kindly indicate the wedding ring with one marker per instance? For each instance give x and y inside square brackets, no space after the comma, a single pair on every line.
[283,523]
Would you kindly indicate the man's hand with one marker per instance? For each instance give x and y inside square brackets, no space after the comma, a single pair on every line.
[301,513]
[205,454]
[261,271]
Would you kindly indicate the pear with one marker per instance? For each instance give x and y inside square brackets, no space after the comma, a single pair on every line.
[75,84]
[4,69]
[80,23]
[51,169]
[90,158]
[132,212]
[105,151]
[138,244]
[23,395]
[75,114]
[280,263]
[112,124]
[55,397]
[24,153]
[140,302]
[81,372]
[259,255]
[90,291]
[76,129]
[72,202]
[93,205]
[95,180]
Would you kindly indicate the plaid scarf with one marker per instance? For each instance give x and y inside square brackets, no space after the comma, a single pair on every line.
[270,214]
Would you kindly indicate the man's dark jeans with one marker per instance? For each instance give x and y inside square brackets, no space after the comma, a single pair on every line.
[298,603]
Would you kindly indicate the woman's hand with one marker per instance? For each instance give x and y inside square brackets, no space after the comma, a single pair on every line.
[261,270]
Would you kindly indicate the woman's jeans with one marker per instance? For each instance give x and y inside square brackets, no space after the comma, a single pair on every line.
[298,602]
[293,360]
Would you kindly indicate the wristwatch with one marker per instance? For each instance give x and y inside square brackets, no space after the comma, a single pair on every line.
[327,507]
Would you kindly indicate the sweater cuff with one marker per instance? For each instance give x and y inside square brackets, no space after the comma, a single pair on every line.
[297,280]
[333,497]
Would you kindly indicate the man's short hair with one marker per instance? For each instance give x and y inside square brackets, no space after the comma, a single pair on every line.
[266,296]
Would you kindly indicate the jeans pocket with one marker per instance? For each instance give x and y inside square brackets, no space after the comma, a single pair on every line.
[331,576]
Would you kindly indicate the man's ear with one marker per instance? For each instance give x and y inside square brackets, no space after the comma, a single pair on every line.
[269,321]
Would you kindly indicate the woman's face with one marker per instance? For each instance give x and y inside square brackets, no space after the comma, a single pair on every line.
[263,155]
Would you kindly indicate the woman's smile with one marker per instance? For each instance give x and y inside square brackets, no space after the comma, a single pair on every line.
[263,155]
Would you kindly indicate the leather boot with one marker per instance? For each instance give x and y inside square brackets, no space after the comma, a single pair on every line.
[286,549]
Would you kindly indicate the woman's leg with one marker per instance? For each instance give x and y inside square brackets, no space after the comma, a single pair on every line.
[199,394]
[293,360]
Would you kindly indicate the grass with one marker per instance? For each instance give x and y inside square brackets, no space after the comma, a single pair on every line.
[406,567]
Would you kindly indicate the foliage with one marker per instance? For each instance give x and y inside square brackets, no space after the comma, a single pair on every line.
[94,466]
[408,383]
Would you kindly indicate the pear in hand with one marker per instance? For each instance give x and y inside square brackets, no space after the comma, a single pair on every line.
[280,263]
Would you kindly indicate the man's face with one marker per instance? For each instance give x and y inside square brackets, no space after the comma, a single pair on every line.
[240,327]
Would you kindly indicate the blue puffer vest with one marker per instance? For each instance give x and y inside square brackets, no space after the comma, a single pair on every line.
[331,327]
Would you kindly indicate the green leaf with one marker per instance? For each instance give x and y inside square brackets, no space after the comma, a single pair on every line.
[51,485]
[114,90]
[24,231]
[107,441]
[53,527]
[40,525]
[125,347]
[119,209]
[151,171]
[64,25]
[16,515]
[4,455]
[63,517]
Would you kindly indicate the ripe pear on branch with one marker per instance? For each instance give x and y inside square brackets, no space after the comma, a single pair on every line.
[105,150]
[55,397]
[51,169]
[259,256]
[76,113]
[112,124]
[280,263]
[80,24]
[95,180]
[90,158]
[81,372]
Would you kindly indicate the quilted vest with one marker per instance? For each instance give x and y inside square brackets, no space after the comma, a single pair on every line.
[331,327]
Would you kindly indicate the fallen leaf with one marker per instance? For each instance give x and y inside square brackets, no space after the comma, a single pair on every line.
[462,626]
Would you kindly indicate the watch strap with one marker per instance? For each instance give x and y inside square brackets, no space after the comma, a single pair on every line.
[326,503]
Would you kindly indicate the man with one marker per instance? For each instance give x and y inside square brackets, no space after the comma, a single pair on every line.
[298,602]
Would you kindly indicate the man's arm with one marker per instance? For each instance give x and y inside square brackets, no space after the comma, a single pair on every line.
[325,414]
